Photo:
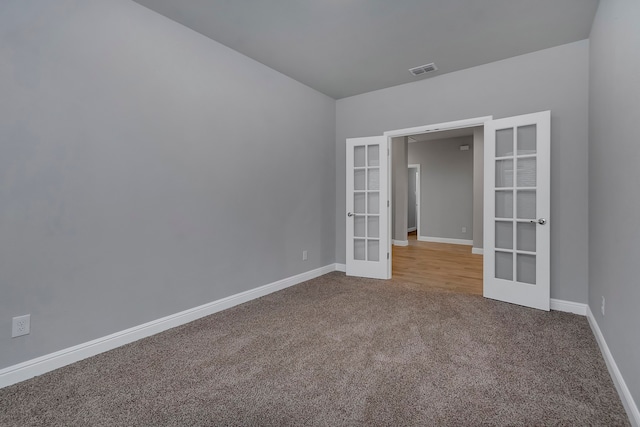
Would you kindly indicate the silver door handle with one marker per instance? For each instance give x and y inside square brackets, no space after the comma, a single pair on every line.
[349,214]
[540,221]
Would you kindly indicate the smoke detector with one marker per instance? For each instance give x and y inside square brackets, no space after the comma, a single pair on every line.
[423,69]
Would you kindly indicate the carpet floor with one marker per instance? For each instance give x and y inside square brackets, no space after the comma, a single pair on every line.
[339,351]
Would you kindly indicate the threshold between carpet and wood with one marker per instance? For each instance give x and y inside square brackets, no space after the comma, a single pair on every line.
[338,350]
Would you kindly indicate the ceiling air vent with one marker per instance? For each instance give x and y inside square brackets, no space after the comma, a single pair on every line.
[423,69]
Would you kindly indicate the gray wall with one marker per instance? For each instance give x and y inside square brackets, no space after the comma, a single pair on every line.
[446,187]
[145,170]
[412,198]
[614,174]
[399,173]
[554,79]
[478,187]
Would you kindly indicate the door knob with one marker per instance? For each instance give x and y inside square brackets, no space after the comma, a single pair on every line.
[349,214]
[540,221]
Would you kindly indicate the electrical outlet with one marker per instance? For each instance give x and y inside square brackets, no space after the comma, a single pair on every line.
[21,326]
[304,255]
[602,307]
[464,229]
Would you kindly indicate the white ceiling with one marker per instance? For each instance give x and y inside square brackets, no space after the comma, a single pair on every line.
[348,47]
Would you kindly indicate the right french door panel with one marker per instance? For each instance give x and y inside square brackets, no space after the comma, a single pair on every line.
[517,209]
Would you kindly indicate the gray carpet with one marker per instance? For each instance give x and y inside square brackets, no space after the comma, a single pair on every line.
[339,351]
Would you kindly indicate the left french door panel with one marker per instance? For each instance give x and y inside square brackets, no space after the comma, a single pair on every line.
[367,208]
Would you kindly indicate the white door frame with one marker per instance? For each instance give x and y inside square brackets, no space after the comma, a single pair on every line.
[418,196]
[436,127]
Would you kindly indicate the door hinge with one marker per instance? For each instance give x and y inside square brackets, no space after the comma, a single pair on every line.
[387,255]
[387,203]
[387,151]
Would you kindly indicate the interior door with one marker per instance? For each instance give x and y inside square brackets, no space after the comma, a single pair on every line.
[517,210]
[368,207]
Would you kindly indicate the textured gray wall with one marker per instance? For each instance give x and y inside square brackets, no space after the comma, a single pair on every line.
[554,79]
[399,194]
[614,174]
[478,187]
[145,170]
[446,187]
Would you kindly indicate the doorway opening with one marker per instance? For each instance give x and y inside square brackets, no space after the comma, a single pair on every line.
[516,206]
[437,221]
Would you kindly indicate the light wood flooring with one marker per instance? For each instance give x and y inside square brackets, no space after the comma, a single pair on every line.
[438,265]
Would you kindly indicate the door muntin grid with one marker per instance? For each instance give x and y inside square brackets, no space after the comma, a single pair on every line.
[515,204]
[366,202]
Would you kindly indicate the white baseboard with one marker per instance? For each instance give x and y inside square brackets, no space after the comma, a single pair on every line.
[410,229]
[625,395]
[38,366]
[568,306]
[477,251]
[445,240]
[341,267]
[400,242]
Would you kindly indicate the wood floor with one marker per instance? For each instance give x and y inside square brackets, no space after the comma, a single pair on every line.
[438,265]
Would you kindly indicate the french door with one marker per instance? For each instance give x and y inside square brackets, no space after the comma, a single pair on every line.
[517,209]
[368,207]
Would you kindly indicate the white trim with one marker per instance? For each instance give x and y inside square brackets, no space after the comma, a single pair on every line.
[341,267]
[445,240]
[568,306]
[410,229]
[417,167]
[457,124]
[389,199]
[400,242]
[477,251]
[38,366]
[625,395]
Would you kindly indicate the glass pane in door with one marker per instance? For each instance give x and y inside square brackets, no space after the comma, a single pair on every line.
[359,179]
[527,172]
[504,234]
[504,173]
[373,203]
[373,155]
[359,225]
[373,182]
[359,249]
[504,265]
[373,226]
[504,204]
[526,204]
[373,250]
[359,202]
[359,156]
[526,236]
[504,142]
[526,268]
[527,140]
